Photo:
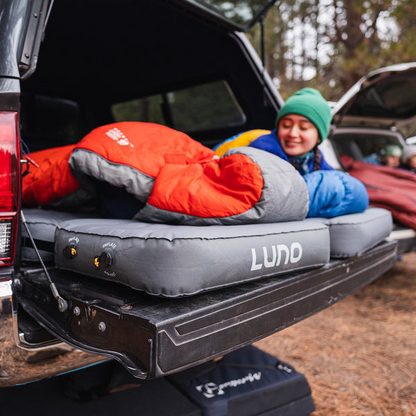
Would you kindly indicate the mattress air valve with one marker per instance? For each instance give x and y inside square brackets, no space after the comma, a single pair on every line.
[104,260]
[70,251]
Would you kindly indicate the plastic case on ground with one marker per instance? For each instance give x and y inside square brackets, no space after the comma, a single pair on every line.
[247,382]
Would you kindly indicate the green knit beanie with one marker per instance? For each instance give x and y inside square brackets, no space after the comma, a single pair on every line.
[309,103]
[391,150]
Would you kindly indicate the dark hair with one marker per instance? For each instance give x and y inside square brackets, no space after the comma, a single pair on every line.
[317,159]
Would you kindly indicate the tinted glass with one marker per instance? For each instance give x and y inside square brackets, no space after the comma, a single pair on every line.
[203,107]
[47,121]
[391,98]
[360,146]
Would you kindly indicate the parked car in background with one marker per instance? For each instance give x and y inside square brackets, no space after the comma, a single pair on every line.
[411,140]
[377,112]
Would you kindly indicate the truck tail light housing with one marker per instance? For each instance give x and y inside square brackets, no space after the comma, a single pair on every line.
[9,186]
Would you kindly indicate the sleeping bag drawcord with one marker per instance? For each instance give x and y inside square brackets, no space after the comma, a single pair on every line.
[62,303]
[28,161]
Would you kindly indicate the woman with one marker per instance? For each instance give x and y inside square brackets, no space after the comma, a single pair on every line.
[409,158]
[301,125]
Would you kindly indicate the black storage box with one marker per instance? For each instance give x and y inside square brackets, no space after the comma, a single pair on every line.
[247,382]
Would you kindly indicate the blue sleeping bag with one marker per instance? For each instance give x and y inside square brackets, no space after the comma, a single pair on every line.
[333,193]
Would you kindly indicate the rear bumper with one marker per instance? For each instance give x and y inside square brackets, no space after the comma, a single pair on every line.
[22,361]
[154,337]
[406,239]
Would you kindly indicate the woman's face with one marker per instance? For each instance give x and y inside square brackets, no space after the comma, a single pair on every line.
[393,161]
[297,135]
[412,162]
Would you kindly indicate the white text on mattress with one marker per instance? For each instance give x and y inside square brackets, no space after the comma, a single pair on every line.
[110,244]
[272,256]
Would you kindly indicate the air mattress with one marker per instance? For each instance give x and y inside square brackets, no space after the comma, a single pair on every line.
[42,225]
[353,234]
[173,260]
[177,260]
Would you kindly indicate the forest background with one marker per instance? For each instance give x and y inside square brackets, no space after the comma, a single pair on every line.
[331,44]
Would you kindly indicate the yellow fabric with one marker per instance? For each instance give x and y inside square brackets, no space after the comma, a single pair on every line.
[242,140]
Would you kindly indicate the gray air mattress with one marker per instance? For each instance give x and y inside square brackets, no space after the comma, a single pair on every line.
[42,225]
[353,234]
[172,260]
[177,260]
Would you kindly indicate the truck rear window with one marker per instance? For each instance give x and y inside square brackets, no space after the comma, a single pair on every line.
[198,108]
[47,121]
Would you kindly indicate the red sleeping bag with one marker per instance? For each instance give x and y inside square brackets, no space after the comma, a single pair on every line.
[127,155]
[51,179]
[245,186]
[391,188]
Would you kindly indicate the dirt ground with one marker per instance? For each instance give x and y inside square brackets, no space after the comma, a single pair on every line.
[359,355]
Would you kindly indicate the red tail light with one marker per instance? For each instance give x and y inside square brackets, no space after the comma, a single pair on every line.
[9,186]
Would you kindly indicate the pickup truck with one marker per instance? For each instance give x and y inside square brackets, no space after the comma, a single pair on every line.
[73,65]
